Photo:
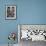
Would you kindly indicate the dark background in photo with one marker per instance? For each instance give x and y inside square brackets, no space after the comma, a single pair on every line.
[10,11]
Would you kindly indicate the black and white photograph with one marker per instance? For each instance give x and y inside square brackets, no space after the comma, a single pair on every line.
[11,12]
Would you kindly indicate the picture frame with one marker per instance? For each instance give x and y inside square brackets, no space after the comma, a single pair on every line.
[10,12]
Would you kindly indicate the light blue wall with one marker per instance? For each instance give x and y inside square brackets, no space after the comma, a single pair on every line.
[28,12]
[33,11]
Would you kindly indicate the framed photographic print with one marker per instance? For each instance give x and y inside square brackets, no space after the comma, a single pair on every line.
[10,12]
